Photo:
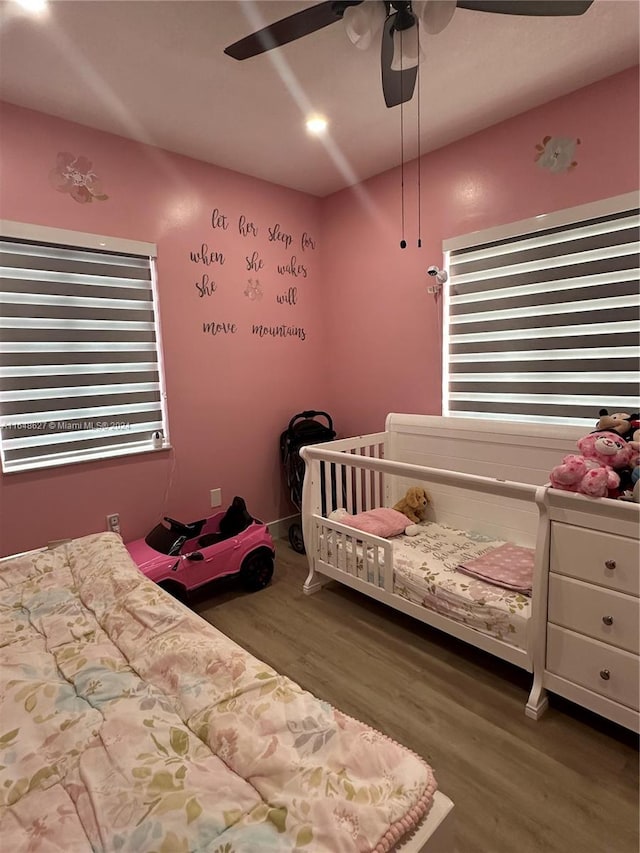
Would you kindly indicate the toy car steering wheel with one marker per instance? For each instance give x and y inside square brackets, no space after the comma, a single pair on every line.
[181,528]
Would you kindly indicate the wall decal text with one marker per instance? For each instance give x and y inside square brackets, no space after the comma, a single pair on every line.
[246,228]
[292,268]
[288,257]
[254,262]
[219,220]
[206,286]
[307,242]
[276,235]
[215,328]
[280,331]
[206,256]
[289,297]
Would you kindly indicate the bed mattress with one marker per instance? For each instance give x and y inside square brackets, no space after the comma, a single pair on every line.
[425,573]
[130,724]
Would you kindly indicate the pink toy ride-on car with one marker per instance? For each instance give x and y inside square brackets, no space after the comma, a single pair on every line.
[181,557]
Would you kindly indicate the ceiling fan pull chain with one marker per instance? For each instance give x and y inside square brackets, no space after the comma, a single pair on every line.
[403,242]
[419,165]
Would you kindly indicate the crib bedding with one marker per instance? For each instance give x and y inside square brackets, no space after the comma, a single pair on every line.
[426,572]
[129,724]
[509,566]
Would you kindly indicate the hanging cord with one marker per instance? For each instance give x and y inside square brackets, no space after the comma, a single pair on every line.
[403,242]
[419,175]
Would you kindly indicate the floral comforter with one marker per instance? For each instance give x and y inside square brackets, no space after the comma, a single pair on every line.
[129,724]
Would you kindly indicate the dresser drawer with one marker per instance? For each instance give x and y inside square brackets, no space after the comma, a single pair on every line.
[585,661]
[595,557]
[606,615]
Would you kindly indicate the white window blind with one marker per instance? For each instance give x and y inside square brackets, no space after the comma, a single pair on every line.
[80,371]
[544,323]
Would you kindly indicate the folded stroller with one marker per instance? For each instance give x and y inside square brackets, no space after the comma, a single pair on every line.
[303,429]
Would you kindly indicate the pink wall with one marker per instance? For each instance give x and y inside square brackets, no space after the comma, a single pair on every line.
[229,396]
[385,330]
[373,333]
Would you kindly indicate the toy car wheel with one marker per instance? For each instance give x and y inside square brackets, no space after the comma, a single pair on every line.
[257,570]
[175,589]
[295,539]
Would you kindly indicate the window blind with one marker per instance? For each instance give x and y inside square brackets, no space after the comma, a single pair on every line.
[544,326]
[80,375]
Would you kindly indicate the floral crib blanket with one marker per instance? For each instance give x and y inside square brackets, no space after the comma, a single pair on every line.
[127,723]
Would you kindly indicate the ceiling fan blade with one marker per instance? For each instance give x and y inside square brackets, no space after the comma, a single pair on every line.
[289,29]
[540,8]
[397,86]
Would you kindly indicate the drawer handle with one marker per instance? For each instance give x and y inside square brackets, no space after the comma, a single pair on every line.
[610,564]
[608,620]
[605,674]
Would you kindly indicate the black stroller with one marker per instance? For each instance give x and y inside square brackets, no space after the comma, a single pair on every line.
[303,429]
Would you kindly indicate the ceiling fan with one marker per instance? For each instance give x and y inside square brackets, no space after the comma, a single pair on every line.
[399,21]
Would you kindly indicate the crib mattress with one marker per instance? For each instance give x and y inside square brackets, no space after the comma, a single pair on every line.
[425,573]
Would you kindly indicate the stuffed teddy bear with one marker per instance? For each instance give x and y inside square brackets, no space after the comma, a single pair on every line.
[413,504]
[593,473]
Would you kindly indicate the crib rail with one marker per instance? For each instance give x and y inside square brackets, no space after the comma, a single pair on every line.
[341,482]
[475,482]
[360,555]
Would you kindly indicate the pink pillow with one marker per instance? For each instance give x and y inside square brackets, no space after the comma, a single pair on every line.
[380,522]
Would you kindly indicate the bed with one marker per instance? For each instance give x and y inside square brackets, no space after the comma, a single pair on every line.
[130,724]
[487,482]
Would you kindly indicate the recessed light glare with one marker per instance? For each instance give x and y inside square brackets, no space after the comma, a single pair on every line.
[316,125]
[34,7]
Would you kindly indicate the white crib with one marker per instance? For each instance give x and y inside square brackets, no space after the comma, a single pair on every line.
[484,477]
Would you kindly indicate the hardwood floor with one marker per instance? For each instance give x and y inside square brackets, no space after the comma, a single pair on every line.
[566,783]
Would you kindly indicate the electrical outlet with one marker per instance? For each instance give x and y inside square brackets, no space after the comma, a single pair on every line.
[113,522]
[216,497]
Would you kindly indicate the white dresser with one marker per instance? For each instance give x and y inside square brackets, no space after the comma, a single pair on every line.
[592,625]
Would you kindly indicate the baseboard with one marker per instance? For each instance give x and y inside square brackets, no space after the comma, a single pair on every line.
[279,528]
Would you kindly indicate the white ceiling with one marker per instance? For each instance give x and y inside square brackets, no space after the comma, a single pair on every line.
[156,72]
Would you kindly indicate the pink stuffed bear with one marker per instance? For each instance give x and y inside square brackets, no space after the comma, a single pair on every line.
[593,472]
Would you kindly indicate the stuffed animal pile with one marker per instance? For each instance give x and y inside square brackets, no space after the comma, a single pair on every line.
[608,463]
[633,493]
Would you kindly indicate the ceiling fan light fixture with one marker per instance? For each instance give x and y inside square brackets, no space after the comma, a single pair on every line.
[407,52]
[363,22]
[435,15]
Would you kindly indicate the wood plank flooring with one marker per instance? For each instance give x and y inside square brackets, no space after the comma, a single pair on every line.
[566,783]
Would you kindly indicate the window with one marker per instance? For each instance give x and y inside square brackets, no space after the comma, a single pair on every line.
[544,317]
[80,366]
